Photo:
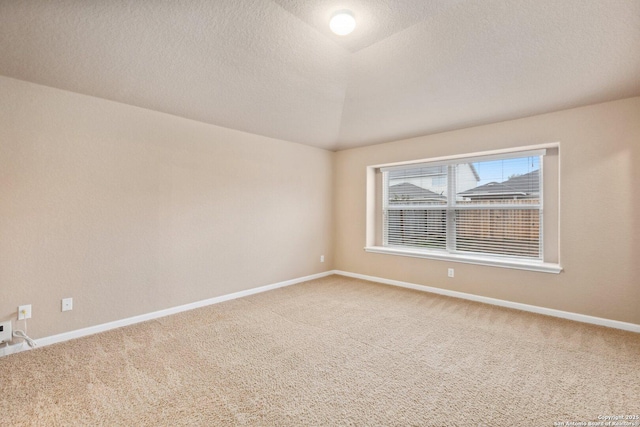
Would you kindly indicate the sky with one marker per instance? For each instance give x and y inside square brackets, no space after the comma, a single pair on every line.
[500,170]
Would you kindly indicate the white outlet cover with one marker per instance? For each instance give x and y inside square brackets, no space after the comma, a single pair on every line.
[24,312]
[67,304]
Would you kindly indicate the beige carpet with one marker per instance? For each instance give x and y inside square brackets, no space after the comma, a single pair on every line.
[334,351]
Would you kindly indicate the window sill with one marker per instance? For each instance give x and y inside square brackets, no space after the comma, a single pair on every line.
[543,267]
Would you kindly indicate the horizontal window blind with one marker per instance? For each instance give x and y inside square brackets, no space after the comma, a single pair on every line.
[500,232]
[417,228]
[485,206]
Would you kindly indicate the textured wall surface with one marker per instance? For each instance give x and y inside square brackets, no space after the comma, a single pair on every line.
[130,211]
[599,220]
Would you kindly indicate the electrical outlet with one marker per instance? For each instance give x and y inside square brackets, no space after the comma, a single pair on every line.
[67,304]
[321,258]
[24,312]
[5,331]
[450,272]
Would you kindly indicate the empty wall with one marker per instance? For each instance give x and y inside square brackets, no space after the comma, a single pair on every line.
[130,211]
[599,204]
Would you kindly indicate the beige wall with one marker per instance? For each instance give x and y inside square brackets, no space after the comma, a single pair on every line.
[600,212]
[130,211]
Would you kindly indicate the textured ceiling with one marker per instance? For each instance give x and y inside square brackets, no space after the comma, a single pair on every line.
[271,67]
[376,19]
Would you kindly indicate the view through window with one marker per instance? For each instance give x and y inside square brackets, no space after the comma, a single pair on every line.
[489,206]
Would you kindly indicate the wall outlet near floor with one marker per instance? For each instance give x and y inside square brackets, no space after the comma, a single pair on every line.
[24,312]
[67,304]
[5,331]
[450,272]
[321,258]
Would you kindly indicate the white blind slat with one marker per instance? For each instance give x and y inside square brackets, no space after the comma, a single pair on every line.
[488,205]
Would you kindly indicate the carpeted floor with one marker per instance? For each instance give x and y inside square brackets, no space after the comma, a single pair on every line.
[334,351]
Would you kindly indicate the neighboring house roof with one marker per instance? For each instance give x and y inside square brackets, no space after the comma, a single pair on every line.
[412,193]
[518,186]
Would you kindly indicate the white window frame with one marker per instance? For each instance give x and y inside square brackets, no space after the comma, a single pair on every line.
[375,209]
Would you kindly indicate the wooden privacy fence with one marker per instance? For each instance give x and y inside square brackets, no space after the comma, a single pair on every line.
[513,232]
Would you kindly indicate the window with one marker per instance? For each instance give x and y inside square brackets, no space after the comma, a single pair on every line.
[486,208]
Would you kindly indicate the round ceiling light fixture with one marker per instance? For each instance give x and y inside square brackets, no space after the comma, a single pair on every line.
[342,22]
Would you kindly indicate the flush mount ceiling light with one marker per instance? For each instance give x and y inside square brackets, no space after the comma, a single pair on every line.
[342,22]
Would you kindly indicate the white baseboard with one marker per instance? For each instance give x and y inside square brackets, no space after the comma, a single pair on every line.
[632,327]
[66,336]
[16,348]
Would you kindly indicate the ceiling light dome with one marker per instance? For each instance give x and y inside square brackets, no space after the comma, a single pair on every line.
[342,22]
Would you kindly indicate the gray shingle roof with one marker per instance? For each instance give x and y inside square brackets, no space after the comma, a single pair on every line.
[518,186]
[412,193]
